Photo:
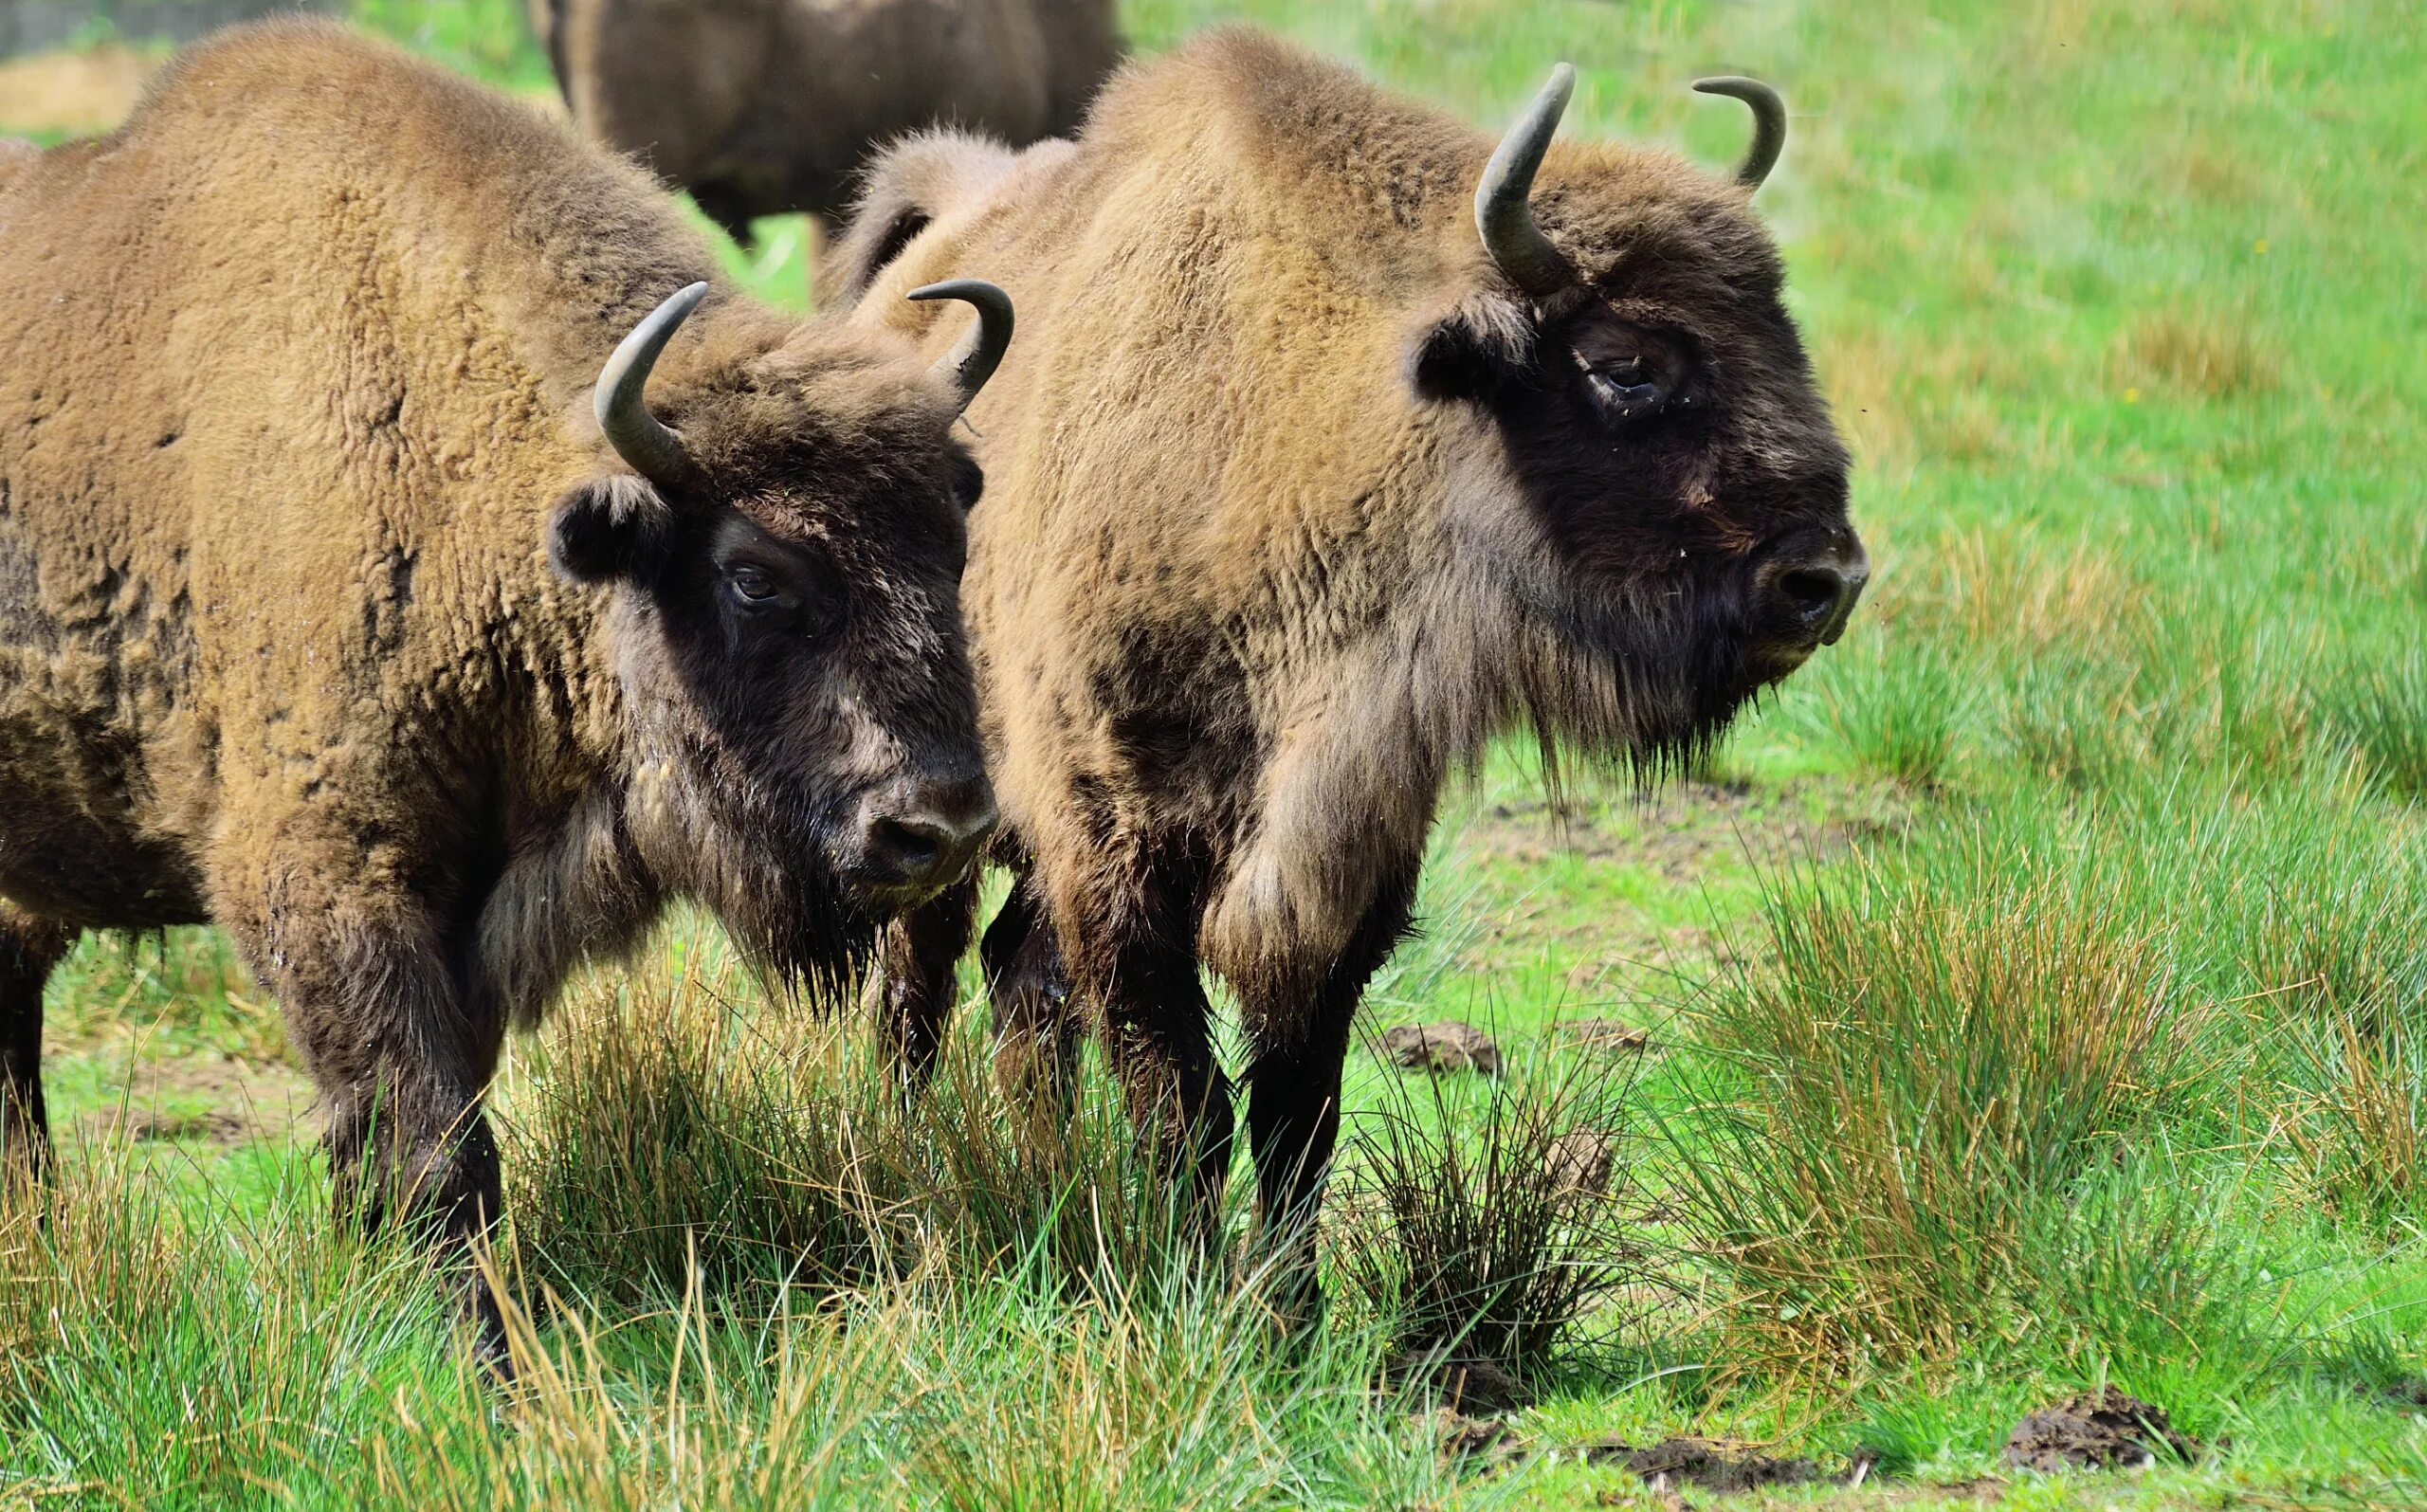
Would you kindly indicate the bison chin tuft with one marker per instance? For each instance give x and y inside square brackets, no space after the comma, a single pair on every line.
[761,862]
[1651,677]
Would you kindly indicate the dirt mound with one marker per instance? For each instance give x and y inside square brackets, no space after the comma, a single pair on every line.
[1581,1162]
[1709,1464]
[1464,1438]
[2096,1430]
[1603,1037]
[1444,1046]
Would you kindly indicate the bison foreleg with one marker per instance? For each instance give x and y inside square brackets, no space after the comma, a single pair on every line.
[1036,1037]
[401,1053]
[1298,1018]
[914,988]
[30,947]
[1141,973]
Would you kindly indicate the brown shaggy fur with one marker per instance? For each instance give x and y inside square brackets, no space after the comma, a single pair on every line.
[295,384]
[762,106]
[1295,505]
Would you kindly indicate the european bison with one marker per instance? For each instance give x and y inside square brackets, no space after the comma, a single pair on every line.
[764,106]
[296,416]
[1337,444]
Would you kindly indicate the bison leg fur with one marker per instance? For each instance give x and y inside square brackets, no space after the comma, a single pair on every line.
[401,1052]
[1141,973]
[914,988]
[30,947]
[1298,1037]
[1036,1037]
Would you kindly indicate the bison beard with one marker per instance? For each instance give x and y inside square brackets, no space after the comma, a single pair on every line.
[755,857]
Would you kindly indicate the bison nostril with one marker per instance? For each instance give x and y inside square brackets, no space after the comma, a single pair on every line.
[1812,593]
[914,845]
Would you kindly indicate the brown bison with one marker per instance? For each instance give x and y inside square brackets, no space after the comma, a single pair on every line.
[764,106]
[309,376]
[1337,444]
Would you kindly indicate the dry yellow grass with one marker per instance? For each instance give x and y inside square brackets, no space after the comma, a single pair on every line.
[73,92]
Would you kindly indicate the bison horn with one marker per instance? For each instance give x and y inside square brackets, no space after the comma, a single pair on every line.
[1769,124]
[1504,203]
[974,359]
[650,449]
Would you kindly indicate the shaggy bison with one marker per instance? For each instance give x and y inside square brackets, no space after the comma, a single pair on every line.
[1337,444]
[298,380]
[764,106]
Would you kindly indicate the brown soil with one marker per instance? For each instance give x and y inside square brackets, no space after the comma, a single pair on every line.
[1709,1464]
[2096,1430]
[1582,1162]
[77,93]
[1444,1046]
[1461,1437]
[1605,1036]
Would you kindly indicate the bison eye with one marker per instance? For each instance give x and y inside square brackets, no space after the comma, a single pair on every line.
[1626,390]
[754,588]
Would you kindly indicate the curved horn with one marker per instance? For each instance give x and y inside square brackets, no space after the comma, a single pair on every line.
[1769,123]
[650,449]
[974,357]
[1503,207]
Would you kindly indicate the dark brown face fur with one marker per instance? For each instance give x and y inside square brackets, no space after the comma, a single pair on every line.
[1681,490]
[787,630]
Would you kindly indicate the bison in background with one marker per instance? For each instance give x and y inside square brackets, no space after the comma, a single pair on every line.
[1337,444]
[760,107]
[340,604]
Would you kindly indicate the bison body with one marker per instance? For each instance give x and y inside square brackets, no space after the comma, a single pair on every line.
[1300,493]
[759,107]
[335,609]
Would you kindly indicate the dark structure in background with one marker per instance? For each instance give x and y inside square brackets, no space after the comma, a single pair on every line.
[761,107]
[39,26]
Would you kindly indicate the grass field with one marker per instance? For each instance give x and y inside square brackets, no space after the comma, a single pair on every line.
[2034,992]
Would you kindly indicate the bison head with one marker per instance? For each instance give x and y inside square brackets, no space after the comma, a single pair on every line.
[1678,507]
[784,556]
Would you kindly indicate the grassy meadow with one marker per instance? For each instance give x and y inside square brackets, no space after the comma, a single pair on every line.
[2032,996]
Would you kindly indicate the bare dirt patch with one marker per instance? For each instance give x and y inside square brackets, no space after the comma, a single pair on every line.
[2101,1430]
[213,1100]
[1448,1046]
[76,94]
[1710,1465]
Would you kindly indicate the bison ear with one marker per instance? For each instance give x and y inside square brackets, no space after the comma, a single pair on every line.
[1469,349]
[610,527]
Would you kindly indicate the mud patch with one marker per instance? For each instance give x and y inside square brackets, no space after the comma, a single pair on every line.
[2097,1430]
[1448,1046]
[1710,1465]
[72,93]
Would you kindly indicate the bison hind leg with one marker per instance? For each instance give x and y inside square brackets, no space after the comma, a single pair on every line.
[29,948]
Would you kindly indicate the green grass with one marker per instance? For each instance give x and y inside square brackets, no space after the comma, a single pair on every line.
[2037,986]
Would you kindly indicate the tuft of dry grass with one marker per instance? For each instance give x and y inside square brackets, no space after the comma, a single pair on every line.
[2203,353]
[1932,1059]
[72,93]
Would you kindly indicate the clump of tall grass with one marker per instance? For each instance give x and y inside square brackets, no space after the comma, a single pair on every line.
[1897,710]
[1486,1228]
[178,1350]
[2362,1130]
[677,1125]
[2382,711]
[1938,1051]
